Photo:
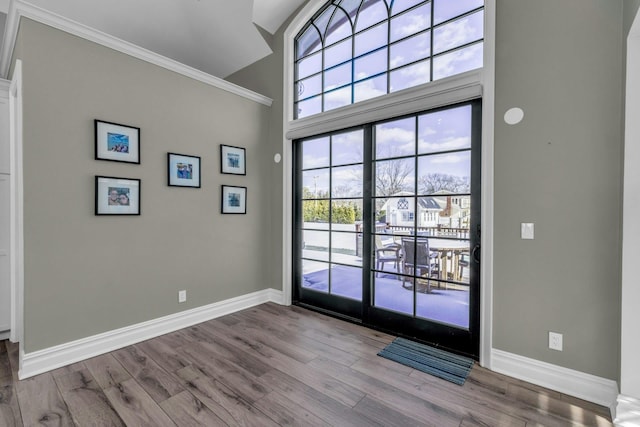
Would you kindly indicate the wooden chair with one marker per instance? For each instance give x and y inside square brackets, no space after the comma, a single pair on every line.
[418,260]
[385,253]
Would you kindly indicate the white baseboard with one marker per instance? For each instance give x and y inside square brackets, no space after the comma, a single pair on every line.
[589,387]
[627,413]
[4,335]
[40,361]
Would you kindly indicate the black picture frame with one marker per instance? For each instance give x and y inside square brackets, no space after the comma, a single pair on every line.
[183,170]
[233,199]
[233,160]
[117,196]
[116,142]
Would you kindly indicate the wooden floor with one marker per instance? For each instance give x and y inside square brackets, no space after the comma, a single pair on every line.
[272,365]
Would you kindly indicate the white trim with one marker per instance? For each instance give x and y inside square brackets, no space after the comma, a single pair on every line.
[21,8]
[305,125]
[40,361]
[584,386]
[487,168]
[16,204]
[627,412]
[4,335]
[630,315]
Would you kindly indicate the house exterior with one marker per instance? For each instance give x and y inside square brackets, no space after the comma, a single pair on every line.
[440,209]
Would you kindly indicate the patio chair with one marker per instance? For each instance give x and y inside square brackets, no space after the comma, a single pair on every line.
[419,260]
[390,252]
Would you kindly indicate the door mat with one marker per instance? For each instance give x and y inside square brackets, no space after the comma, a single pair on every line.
[436,362]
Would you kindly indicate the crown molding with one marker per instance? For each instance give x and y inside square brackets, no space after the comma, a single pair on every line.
[20,8]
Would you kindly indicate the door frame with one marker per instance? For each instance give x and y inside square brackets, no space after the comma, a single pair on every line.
[446,91]
[17,207]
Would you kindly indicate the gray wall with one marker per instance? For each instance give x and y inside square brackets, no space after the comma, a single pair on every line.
[560,168]
[86,274]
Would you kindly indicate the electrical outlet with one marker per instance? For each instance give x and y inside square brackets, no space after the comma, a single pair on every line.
[555,341]
[182,296]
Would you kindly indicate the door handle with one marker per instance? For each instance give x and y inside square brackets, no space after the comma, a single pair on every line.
[475,254]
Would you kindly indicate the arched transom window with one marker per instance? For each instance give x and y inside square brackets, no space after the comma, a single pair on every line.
[353,50]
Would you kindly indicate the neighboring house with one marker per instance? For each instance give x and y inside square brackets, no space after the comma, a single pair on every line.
[440,209]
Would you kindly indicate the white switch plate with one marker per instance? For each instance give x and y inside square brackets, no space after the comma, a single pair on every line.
[555,341]
[526,230]
[182,296]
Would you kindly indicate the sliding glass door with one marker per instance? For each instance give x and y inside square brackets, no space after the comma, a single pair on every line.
[388,225]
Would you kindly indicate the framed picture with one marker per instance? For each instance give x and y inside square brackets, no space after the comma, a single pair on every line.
[232,160]
[234,200]
[118,143]
[184,171]
[117,196]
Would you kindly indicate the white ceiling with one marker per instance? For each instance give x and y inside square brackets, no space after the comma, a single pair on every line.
[215,36]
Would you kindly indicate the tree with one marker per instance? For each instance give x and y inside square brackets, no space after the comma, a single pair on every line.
[391,176]
[434,182]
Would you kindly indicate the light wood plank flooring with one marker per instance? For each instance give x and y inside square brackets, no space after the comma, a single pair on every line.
[269,366]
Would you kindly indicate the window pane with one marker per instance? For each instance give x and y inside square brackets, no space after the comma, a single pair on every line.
[371,39]
[394,292]
[309,107]
[315,153]
[347,148]
[351,7]
[450,173]
[410,50]
[462,31]
[445,130]
[370,65]
[315,184]
[400,5]
[308,42]
[343,248]
[458,61]
[346,181]
[397,138]
[309,87]
[411,22]
[337,54]
[315,275]
[337,98]
[310,65]
[394,176]
[322,20]
[447,9]
[315,214]
[339,28]
[410,76]
[371,12]
[315,245]
[345,214]
[338,76]
[346,281]
[370,88]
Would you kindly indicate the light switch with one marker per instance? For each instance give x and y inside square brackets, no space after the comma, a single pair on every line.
[526,230]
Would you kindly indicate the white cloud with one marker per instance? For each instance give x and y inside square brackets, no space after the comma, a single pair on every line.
[367,90]
[443,144]
[449,159]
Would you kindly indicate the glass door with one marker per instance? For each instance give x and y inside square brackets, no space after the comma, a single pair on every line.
[329,222]
[388,225]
